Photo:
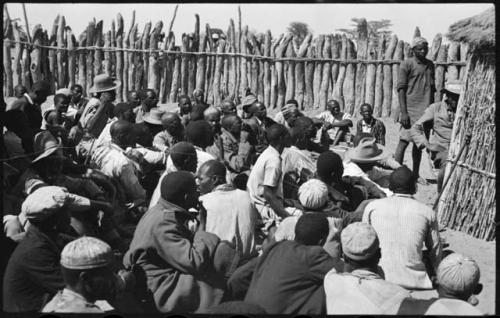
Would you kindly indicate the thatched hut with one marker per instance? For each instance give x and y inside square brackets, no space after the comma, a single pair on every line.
[468,202]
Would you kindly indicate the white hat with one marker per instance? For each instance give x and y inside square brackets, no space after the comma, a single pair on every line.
[86,253]
[458,274]
[452,86]
[313,194]
[359,241]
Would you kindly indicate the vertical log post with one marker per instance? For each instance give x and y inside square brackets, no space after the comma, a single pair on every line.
[194,46]
[82,78]
[361,79]
[379,78]
[350,79]
[338,92]
[267,69]
[119,57]
[175,78]
[464,54]
[154,71]
[274,74]
[453,56]
[300,70]
[290,78]
[7,66]
[90,55]
[398,55]
[142,58]
[36,54]
[107,54]
[18,51]
[325,79]
[386,105]
[318,67]
[98,42]
[280,71]
[371,70]
[434,49]
[218,70]
[440,69]
[336,46]
[71,57]
[61,58]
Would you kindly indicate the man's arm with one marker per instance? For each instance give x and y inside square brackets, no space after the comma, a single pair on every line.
[402,88]
[417,133]
[275,202]
[240,160]
[433,241]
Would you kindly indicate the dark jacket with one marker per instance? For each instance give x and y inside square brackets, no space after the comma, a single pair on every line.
[288,279]
[33,274]
[176,261]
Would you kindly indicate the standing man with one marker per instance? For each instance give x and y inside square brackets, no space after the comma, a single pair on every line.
[416,88]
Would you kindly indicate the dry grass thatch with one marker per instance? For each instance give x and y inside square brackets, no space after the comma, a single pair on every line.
[478,30]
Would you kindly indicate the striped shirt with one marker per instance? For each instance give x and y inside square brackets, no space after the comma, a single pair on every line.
[403,226]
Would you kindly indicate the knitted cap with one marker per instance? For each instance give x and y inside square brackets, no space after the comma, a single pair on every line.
[359,241]
[418,40]
[458,273]
[86,253]
[64,91]
[313,194]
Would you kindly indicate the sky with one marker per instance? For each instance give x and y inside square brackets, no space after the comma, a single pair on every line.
[322,18]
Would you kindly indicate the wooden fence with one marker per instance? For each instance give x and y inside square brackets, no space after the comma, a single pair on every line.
[276,69]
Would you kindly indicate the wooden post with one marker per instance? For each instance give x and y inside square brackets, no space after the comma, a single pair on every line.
[398,55]
[36,55]
[184,65]
[325,79]
[279,70]
[107,53]
[309,78]
[371,70]
[169,66]
[440,69]
[200,69]
[243,66]
[362,49]
[350,80]
[71,57]
[379,77]
[453,56]
[416,33]
[7,66]
[119,58]
[464,55]
[209,65]
[290,78]
[386,105]
[175,78]
[98,42]
[131,67]
[338,92]
[142,67]
[254,65]
[45,57]
[61,59]
[90,55]
[125,44]
[299,71]
[16,64]
[218,69]
[434,49]
[267,69]
[225,72]
[154,71]
[112,45]
[233,74]
[336,46]
[274,75]
[318,67]
[195,43]
[82,78]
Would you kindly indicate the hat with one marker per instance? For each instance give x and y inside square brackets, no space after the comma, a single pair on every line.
[313,194]
[367,151]
[288,108]
[103,83]
[86,253]
[45,201]
[64,91]
[153,116]
[359,241]
[46,144]
[458,274]
[418,40]
[452,86]
[248,101]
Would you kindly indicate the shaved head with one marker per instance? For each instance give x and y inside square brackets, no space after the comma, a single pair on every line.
[123,133]
[213,168]
[211,111]
[229,120]
[169,117]
[211,174]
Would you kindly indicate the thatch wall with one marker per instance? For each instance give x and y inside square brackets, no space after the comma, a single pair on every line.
[468,202]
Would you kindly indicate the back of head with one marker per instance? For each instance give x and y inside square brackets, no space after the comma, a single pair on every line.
[121,108]
[59,98]
[292,101]
[121,130]
[303,122]
[275,132]
[176,185]
[211,111]
[213,168]
[329,164]
[402,180]
[199,133]
[296,135]
[197,113]
[228,120]
[143,134]
[182,152]
[360,243]
[313,194]
[458,275]
[311,229]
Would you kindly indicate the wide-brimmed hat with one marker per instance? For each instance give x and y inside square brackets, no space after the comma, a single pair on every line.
[153,116]
[367,151]
[46,144]
[453,87]
[103,83]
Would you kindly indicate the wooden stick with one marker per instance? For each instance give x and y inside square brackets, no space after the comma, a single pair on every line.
[279,70]
[132,59]
[453,52]
[173,19]
[90,56]
[154,71]
[325,79]
[200,69]
[125,44]
[386,106]
[318,70]
[25,21]
[225,72]
[336,46]
[217,78]
[7,66]
[119,56]
[398,54]
[350,78]
[169,66]
[361,68]
[290,78]
[61,69]
[71,58]
[36,56]
[274,74]
[434,49]
[267,70]
[243,66]
[184,65]
[194,45]
[338,93]
[299,70]
[18,51]
[25,68]
[464,55]
[371,70]
[98,41]
[107,54]
[379,92]
[142,72]
[175,79]
[254,65]
[439,78]
[82,78]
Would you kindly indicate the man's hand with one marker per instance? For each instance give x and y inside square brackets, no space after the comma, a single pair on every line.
[405,120]
[327,126]
[202,218]
[244,136]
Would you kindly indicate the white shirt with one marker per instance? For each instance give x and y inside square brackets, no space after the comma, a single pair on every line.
[328,117]
[403,225]
[231,216]
[353,170]
[105,136]
[267,171]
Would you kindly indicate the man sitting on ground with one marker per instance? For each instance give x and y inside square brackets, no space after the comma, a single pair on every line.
[185,108]
[361,290]
[413,224]
[212,116]
[172,133]
[259,122]
[288,277]
[230,212]
[337,123]
[148,100]
[236,149]
[228,107]
[370,125]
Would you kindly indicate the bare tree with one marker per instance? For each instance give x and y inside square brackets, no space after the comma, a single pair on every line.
[299,30]
[375,29]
